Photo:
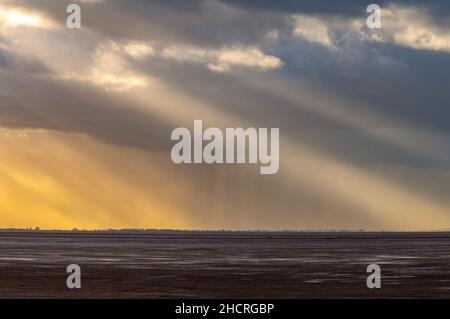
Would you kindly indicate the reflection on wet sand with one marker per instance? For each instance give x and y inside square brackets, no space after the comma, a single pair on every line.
[236,265]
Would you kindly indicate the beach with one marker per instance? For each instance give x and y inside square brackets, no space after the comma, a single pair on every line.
[145,264]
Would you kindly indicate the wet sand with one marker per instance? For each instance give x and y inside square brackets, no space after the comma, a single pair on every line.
[223,265]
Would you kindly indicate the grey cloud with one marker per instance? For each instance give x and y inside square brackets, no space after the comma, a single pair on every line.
[167,21]
[21,65]
[358,70]
[47,104]
[350,8]
[363,84]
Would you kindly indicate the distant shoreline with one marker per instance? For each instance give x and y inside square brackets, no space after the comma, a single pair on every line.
[264,233]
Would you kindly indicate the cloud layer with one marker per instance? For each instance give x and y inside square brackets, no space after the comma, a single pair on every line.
[363,114]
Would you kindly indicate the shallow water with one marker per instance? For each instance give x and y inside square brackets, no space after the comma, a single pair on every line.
[234,265]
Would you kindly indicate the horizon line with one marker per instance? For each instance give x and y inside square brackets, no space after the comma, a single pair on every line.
[162,230]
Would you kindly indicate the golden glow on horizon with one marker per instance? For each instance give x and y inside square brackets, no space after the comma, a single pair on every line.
[78,182]
[76,186]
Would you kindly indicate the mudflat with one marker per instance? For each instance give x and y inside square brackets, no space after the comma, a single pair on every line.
[146,264]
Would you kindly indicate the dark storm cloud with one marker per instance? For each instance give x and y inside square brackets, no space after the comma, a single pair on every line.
[382,75]
[195,22]
[341,7]
[359,71]
[348,7]
[212,23]
[263,109]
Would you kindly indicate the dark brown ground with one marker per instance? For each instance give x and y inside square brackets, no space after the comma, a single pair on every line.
[234,265]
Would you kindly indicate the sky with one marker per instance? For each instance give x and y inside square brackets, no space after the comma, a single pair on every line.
[86,114]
